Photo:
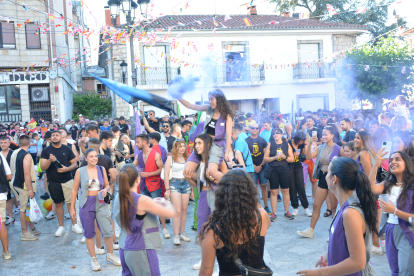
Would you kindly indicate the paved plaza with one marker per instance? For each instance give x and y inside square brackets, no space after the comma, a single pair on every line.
[285,252]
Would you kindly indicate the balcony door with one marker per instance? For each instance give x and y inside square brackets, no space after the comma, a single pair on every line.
[156,66]
[309,54]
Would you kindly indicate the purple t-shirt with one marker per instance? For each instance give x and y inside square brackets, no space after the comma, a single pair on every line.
[193,158]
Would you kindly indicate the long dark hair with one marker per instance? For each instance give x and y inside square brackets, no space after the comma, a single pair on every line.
[367,143]
[351,178]
[223,106]
[408,177]
[235,217]
[126,179]
[208,141]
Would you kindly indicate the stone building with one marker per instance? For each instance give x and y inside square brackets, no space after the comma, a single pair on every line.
[32,84]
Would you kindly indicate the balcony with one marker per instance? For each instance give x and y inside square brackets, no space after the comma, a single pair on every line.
[101,93]
[314,70]
[221,75]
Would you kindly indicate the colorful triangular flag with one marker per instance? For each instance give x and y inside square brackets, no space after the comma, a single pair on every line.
[331,10]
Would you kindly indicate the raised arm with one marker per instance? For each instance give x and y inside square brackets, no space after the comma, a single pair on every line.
[194,106]
[376,188]
[229,126]
[309,153]
[144,120]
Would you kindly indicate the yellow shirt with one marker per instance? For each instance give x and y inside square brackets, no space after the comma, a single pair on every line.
[247,123]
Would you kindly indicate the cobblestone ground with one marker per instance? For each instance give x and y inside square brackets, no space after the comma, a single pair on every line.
[285,252]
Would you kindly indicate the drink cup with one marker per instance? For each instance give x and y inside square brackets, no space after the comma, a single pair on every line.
[101,198]
[314,133]
[385,197]
[297,150]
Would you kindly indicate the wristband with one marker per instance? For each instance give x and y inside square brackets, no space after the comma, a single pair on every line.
[395,211]
[323,262]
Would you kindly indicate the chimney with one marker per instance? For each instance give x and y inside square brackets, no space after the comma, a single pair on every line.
[286,13]
[108,19]
[252,10]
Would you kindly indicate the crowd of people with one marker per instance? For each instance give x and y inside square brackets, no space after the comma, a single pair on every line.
[226,162]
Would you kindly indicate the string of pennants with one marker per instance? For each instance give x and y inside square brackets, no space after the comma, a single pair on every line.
[115,36]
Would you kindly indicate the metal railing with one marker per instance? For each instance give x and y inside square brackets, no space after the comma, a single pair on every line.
[234,73]
[314,70]
[101,93]
[10,118]
[156,75]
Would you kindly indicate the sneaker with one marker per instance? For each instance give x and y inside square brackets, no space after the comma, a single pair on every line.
[184,237]
[308,212]
[167,221]
[267,210]
[197,266]
[117,235]
[9,221]
[295,212]
[279,198]
[116,245]
[95,264]
[60,231]
[308,233]
[166,233]
[83,240]
[288,215]
[382,244]
[67,216]
[50,215]
[111,257]
[191,200]
[273,217]
[327,240]
[6,255]
[177,240]
[16,211]
[28,237]
[35,232]
[76,229]
[193,228]
[376,250]
[99,251]
[46,196]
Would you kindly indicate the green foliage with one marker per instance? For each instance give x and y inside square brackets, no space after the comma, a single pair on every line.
[375,17]
[91,105]
[376,83]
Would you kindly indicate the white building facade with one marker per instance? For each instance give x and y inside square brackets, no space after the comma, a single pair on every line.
[270,64]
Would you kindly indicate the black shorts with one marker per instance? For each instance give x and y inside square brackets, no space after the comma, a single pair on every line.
[56,192]
[322,180]
[280,176]
[9,195]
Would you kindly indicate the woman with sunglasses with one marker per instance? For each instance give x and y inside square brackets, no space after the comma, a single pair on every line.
[218,125]
[399,186]
[324,154]
[278,154]
[92,180]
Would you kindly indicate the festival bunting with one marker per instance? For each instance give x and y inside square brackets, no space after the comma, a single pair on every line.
[228,47]
[331,10]
[384,68]
[305,15]
[366,67]
[361,10]
[51,17]
[247,22]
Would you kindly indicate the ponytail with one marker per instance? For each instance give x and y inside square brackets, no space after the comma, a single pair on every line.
[351,178]
[366,200]
[126,180]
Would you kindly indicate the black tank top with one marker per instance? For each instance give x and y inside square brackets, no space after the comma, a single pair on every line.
[228,267]
[19,174]
[273,152]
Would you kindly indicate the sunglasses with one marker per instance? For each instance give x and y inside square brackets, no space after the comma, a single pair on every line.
[324,117]
[166,126]
[278,132]
[256,128]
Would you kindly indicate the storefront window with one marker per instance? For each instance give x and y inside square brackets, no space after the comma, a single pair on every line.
[10,99]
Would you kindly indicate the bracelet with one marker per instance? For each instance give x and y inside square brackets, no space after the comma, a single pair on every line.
[167,189]
[395,211]
[323,262]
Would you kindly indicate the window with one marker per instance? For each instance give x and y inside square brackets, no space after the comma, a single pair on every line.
[7,39]
[235,56]
[10,99]
[32,39]
[100,88]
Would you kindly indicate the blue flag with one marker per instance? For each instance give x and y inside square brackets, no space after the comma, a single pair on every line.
[132,95]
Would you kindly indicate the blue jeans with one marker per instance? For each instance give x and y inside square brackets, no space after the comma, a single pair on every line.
[153,194]
[260,176]
[180,185]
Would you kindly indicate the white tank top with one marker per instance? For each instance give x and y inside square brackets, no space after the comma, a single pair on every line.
[178,170]
[95,186]
[395,193]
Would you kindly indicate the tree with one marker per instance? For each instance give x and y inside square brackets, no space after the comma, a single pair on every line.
[91,105]
[377,82]
[375,17]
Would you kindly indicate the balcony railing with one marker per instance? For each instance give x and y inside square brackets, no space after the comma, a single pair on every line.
[221,74]
[101,93]
[238,73]
[314,70]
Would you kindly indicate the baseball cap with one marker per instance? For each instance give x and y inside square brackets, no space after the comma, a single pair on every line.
[155,135]
[80,115]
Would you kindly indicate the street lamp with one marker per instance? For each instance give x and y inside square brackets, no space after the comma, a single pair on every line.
[114,9]
[126,6]
[124,70]
[134,7]
[142,3]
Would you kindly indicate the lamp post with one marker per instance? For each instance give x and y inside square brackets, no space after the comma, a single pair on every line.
[124,67]
[128,7]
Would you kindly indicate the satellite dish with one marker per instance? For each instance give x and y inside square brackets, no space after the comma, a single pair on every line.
[53,74]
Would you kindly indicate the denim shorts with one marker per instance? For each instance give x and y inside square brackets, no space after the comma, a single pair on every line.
[260,176]
[153,194]
[180,185]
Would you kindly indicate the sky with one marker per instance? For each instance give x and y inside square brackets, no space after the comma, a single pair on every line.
[402,7]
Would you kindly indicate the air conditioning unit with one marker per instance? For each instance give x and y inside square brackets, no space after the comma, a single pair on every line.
[40,94]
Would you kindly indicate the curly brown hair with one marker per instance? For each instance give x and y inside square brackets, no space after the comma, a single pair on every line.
[235,217]
[223,106]
[174,151]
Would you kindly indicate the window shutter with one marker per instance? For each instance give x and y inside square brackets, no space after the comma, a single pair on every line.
[9,41]
[32,40]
